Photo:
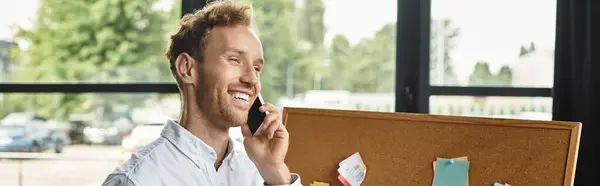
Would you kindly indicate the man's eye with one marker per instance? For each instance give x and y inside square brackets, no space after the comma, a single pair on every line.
[257,69]
[234,60]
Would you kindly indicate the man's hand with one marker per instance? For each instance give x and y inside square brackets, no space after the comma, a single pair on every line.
[268,146]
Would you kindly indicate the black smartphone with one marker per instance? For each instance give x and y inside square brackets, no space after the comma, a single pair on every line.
[255,116]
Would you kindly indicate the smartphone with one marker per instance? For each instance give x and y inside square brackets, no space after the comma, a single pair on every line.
[255,116]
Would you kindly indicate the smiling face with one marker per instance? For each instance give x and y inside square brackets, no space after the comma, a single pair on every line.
[229,75]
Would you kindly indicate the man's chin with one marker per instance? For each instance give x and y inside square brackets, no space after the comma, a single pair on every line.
[235,125]
[235,116]
[236,120]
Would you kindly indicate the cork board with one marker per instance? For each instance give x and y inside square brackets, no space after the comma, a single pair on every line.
[399,148]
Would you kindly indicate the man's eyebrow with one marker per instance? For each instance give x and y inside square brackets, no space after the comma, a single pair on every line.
[260,60]
[235,50]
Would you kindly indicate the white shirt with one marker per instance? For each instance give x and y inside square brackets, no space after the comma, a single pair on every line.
[179,158]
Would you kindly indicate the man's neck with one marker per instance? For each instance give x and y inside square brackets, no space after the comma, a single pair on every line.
[217,138]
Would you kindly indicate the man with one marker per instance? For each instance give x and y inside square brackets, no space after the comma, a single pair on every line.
[216,59]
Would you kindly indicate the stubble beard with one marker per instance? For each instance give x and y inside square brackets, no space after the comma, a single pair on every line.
[215,106]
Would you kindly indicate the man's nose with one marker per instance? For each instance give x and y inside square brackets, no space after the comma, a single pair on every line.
[249,76]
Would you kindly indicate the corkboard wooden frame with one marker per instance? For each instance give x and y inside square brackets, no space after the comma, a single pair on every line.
[306,127]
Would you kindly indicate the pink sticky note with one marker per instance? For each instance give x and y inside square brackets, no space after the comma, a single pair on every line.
[343,180]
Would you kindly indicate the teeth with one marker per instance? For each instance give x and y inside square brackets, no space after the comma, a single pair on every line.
[241,96]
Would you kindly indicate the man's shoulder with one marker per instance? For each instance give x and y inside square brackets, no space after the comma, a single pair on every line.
[138,165]
[119,179]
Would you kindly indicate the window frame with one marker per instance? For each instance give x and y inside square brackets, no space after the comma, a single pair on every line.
[412,86]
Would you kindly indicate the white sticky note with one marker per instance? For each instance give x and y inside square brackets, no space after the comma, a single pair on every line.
[353,169]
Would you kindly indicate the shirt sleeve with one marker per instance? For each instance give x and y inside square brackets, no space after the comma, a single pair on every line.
[295,181]
[118,180]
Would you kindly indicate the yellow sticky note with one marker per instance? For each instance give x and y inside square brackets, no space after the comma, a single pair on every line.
[464,158]
[317,183]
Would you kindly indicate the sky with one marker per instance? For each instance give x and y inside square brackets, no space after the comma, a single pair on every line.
[491,30]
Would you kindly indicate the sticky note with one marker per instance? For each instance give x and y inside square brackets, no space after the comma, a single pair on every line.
[318,183]
[464,158]
[447,174]
[352,170]
[344,181]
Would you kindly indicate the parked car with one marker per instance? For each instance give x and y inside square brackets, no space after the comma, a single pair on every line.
[107,132]
[76,132]
[101,133]
[25,132]
[60,129]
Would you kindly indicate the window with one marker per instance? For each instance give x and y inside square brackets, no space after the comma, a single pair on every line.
[49,41]
[495,49]
[492,43]
[324,54]
[92,162]
[537,108]
[99,107]
[108,118]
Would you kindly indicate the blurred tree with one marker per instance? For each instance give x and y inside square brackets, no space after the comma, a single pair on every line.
[93,41]
[443,36]
[311,33]
[526,50]
[368,66]
[504,76]
[289,67]
[311,26]
[340,70]
[523,51]
[373,61]
[481,75]
[531,47]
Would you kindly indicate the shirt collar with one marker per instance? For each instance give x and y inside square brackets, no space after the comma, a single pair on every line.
[193,147]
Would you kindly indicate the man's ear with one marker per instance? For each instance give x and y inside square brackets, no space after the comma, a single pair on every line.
[186,66]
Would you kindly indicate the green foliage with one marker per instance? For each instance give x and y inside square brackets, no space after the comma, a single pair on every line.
[367,66]
[504,76]
[481,76]
[92,41]
[311,26]
[339,68]
[275,23]
[374,61]
[524,51]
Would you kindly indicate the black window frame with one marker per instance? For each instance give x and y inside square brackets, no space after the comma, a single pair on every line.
[412,87]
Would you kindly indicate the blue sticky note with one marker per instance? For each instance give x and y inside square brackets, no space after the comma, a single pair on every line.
[498,184]
[450,174]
